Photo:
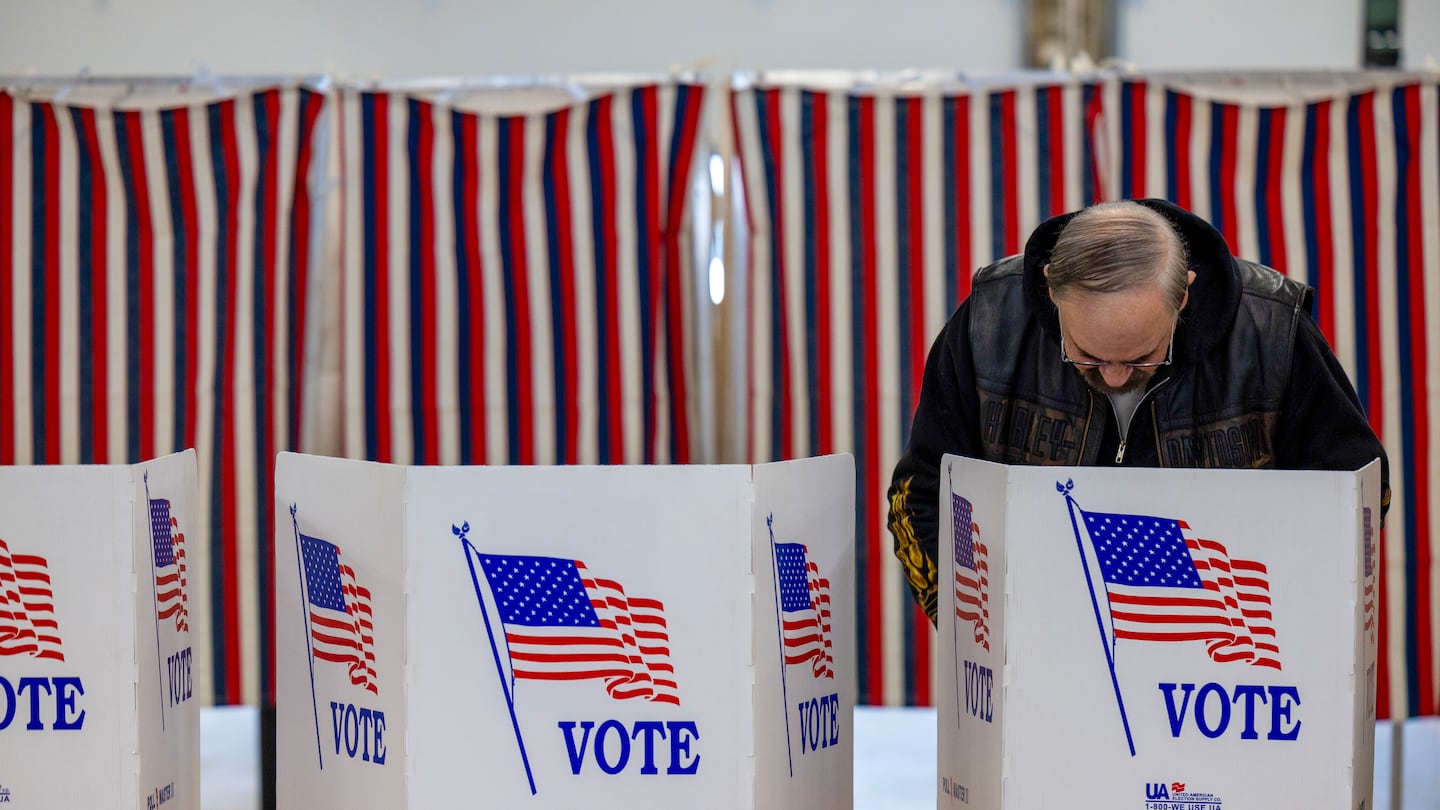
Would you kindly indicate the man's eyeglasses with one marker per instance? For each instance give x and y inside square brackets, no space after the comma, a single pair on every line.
[1169,355]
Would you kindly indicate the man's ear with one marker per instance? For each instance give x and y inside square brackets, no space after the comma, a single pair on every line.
[1189,279]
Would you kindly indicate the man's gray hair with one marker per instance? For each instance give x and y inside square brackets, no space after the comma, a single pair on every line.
[1119,246]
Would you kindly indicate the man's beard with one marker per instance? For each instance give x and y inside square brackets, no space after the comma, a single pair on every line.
[1139,379]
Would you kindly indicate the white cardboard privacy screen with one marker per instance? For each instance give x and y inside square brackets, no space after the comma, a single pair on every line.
[551,636]
[96,703]
[1156,639]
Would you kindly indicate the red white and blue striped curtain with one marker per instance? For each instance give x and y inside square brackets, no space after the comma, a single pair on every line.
[1342,191]
[869,210]
[518,288]
[154,262]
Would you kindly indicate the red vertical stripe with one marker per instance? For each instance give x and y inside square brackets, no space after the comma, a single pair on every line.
[1324,233]
[1139,123]
[184,162]
[7,269]
[428,407]
[520,277]
[144,330]
[99,317]
[1181,146]
[778,308]
[229,490]
[1229,137]
[51,250]
[570,346]
[1420,556]
[615,397]
[820,170]
[1371,328]
[469,155]
[872,595]
[1056,103]
[1273,184]
[674,223]
[300,270]
[964,252]
[380,156]
[1010,164]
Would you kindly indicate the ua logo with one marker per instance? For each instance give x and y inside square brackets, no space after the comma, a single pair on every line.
[1155,791]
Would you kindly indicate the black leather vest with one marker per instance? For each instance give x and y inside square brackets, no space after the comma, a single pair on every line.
[1215,410]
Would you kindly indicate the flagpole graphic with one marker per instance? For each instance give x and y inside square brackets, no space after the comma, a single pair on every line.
[155,600]
[954,625]
[1064,489]
[780,639]
[470,553]
[309,647]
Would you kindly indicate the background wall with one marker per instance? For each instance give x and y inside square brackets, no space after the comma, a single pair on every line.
[398,39]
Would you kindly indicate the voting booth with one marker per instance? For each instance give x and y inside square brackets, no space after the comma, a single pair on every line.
[1156,639]
[96,703]
[603,637]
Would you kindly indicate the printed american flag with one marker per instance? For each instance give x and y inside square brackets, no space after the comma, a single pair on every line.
[342,625]
[171,598]
[27,609]
[804,609]
[1167,585]
[972,571]
[564,624]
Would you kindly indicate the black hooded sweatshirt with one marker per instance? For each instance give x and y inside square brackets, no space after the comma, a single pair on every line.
[1253,384]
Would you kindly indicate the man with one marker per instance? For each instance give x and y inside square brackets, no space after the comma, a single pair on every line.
[1125,335]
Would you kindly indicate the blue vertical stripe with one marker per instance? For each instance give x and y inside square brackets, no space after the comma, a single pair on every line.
[1360,248]
[818,399]
[1217,152]
[181,273]
[1405,155]
[38,190]
[417,284]
[601,239]
[644,254]
[1176,149]
[1127,141]
[1045,129]
[1307,200]
[857,377]
[1262,176]
[997,179]
[265,132]
[506,147]
[375,410]
[768,141]
[470,412]
[85,180]
[555,145]
[904,256]
[223,272]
